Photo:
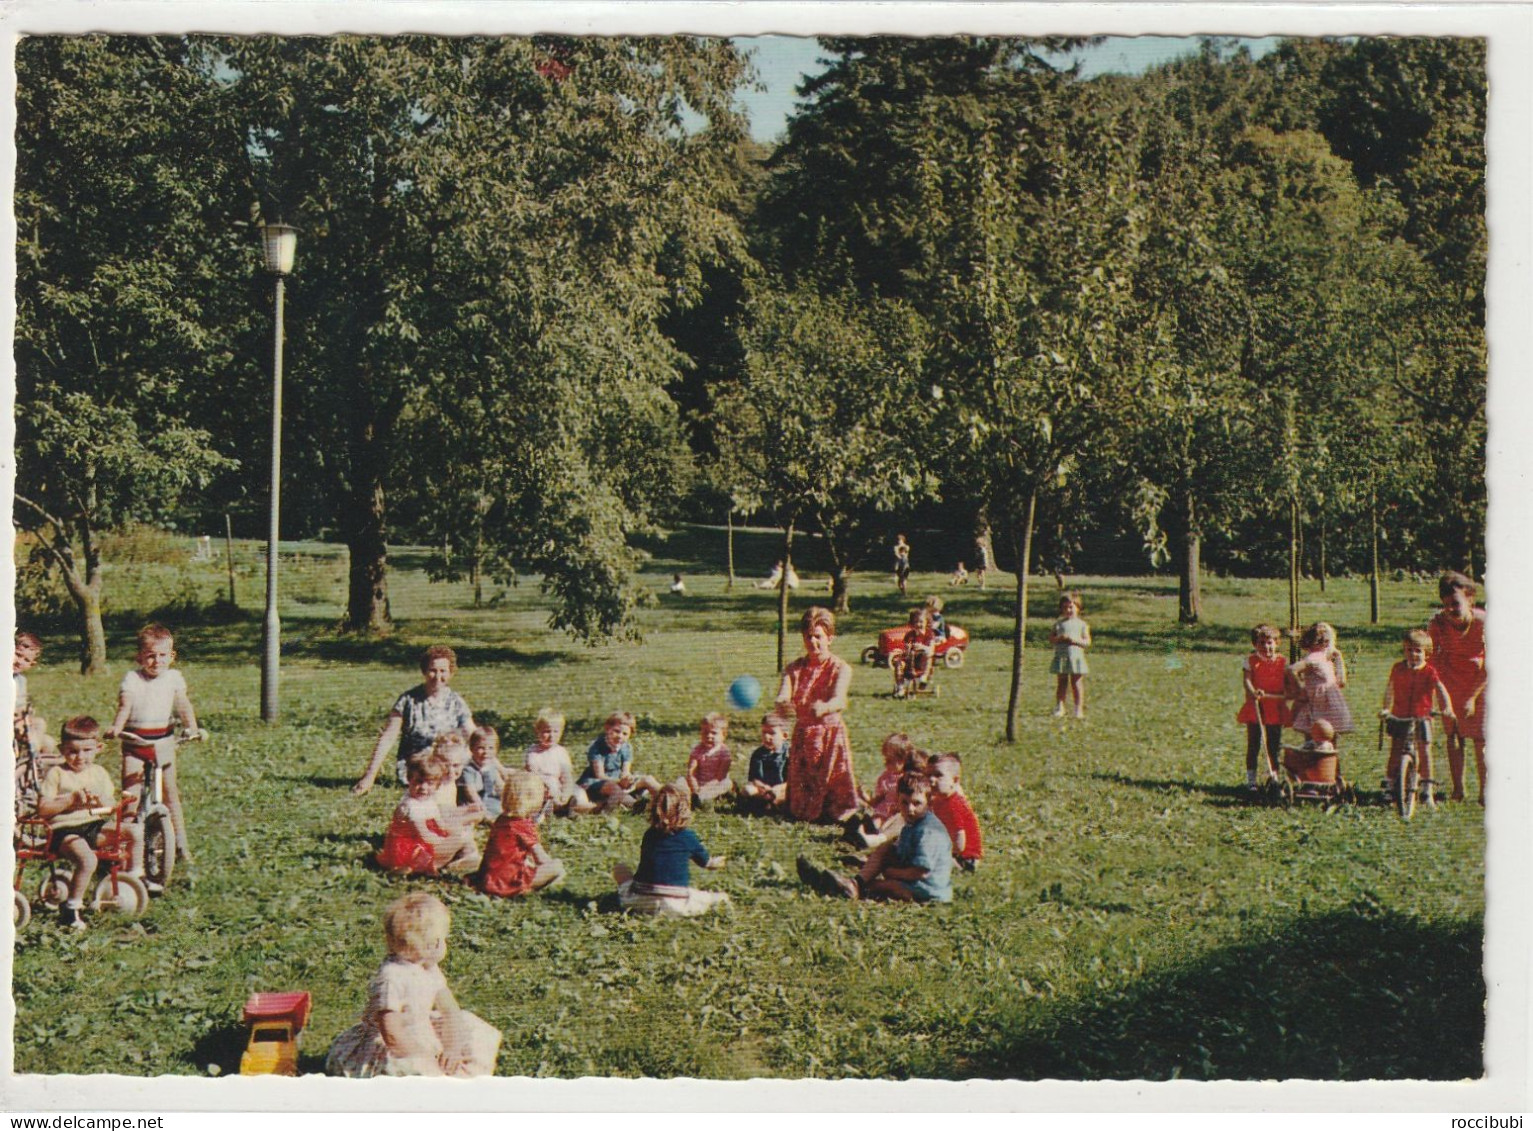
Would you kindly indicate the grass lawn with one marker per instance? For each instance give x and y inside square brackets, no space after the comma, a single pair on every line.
[1134,916]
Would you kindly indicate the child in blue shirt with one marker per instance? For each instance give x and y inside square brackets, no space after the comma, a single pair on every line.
[608,779]
[766,781]
[918,867]
[663,883]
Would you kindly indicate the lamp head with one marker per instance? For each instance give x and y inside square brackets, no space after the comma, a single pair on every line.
[279,243]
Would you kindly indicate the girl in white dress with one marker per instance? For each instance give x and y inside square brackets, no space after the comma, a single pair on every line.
[411,1025]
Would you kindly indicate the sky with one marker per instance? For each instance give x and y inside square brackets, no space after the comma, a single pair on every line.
[783,61]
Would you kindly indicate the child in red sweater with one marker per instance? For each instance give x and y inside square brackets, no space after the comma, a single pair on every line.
[952,808]
[1414,688]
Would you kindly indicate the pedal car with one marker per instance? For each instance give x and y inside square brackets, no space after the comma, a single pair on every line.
[276,1021]
[949,650]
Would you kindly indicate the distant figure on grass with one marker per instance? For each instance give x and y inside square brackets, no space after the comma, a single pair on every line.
[1458,639]
[1265,711]
[774,579]
[663,883]
[1413,690]
[766,779]
[984,554]
[934,606]
[150,697]
[960,576]
[420,716]
[550,761]
[76,799]
[951,805]
[29,727]
[822,784]
[901,562]
[515,861]
[707,778]
[412,1025]
[609,780]
[678,586]
[422,839]
[1071,636]
[482,778]
[918,867]
[1315,682]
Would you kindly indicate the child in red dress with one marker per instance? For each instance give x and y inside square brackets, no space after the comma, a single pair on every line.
[951,805]
[422,840]
[1458,650]
[515,862]
[1265,710]
[912,664]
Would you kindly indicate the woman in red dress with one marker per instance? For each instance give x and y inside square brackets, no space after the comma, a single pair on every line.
[821,782]
[1458,646]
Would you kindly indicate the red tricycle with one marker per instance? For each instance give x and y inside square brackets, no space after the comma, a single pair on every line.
[114,891]
[949,650]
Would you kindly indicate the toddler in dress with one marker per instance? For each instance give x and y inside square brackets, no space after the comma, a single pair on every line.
[515,862]
[1315,682]
[422,839]
[707,776]
[1070,636]
[482,778]
[411,1025]
[550,761]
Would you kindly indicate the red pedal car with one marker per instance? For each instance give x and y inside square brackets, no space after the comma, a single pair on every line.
[891,640]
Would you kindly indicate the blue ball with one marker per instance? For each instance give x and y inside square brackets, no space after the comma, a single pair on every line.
[745,693]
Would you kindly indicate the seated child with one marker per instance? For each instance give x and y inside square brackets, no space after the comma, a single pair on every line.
[551,762]
[1415,687]
[76,799]
[951,805]
[960,576]
[766,780]
[678,586]
[918,867]
[912,664]
[663,883]
[934,607]
[515,863]
[707,776]
[480,782]
[412,1025]
[609,779]
[883,804]
[422,839]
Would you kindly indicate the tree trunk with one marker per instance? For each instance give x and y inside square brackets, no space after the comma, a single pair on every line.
[86,594]
[1373,554]
[1022,540]
[729,550]
[782,596]
[229,555]
[1293,579]
[476,570]
[1320,551]
[840,590]
[1189,561]
[367,604]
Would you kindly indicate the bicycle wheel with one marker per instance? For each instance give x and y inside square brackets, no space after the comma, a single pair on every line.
[54,889]
[21,910]
[159,849]
[123,893]
[1405,800]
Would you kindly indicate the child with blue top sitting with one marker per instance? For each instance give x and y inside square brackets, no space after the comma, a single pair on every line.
[766,781]
[482,776]
[609,780]
[916,868]
[663,883]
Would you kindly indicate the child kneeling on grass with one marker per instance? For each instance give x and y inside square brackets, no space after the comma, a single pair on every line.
[515,863]
[663,883]
[918,867]
[412,1025]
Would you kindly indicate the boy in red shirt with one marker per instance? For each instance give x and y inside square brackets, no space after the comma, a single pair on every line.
[953,810]
[1413,688]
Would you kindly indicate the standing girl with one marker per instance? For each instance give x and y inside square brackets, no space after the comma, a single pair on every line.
[411,1025]
[821,782]
[1458,640]
[1315,682]
[1266,707]
[901,562]
[1071,636]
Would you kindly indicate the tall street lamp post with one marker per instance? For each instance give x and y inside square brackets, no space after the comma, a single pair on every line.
[279,242]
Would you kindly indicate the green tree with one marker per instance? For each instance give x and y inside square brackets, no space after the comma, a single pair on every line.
[505,222]
[128,291]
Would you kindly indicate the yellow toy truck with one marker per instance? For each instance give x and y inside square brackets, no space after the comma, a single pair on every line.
[276,1021]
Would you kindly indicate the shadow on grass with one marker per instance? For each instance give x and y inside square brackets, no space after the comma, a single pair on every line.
[222,1046]
[1342,996]
[1222,795]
